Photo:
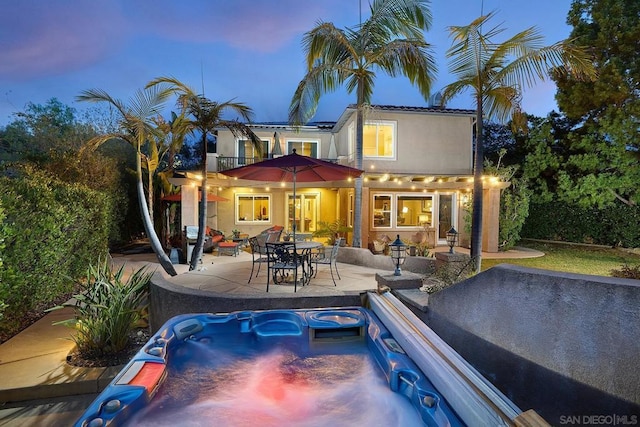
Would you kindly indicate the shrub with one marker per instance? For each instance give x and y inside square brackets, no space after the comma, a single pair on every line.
[4,232]
[514,202]
[52,230]
[446,275]
[616,225]
[332,230]
[107,310]
[627,272]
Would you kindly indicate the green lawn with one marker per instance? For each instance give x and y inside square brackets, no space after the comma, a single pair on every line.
[572,259]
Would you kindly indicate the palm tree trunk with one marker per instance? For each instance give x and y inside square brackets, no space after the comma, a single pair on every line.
[202,210]
[150,194]
[163,259]
[357,208]
[476,214]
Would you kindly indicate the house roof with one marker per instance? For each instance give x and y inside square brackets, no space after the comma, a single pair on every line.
[348,112]
[327,126]
[331,126]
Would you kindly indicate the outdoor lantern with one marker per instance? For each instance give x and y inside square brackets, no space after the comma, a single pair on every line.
[398,254]
[452,236]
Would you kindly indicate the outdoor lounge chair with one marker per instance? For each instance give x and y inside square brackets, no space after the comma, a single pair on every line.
[212,238]
[331,260]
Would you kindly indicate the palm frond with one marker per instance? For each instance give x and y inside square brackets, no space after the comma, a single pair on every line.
[410,58]
[328,43]
[148,102]
[97,141]
[323,78]
[99,95]
[497,72]
[406,18]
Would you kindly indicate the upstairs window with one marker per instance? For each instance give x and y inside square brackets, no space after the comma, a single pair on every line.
[303,147]
[247,154]
[379,139]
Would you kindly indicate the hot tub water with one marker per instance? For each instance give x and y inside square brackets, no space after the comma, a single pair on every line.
[278,388]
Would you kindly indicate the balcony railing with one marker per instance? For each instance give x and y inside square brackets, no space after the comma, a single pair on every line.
[226,163]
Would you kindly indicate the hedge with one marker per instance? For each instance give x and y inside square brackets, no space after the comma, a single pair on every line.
[618,225]
[51,232]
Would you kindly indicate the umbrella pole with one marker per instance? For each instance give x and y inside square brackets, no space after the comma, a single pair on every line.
[294,204]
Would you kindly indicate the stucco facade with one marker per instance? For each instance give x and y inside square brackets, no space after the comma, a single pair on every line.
[418,175]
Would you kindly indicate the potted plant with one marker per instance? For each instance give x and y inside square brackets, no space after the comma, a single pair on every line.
[332,230]
[236,233]
[286,236]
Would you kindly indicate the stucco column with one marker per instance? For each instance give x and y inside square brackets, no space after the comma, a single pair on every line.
[189,205]
[491,217]
[366,217]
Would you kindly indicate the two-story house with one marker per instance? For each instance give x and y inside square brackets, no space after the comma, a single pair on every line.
[418,164]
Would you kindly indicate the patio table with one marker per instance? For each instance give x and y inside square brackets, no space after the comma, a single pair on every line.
[303,252]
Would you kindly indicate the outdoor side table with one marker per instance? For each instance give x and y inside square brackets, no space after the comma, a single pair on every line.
[229,248]
[242,240]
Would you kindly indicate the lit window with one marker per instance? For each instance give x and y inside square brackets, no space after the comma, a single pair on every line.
[414,211]
[379,139]
[247,153]
[382,210]
[306,148]
[253,208]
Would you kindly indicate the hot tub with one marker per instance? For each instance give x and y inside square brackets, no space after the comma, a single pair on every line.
[318,367]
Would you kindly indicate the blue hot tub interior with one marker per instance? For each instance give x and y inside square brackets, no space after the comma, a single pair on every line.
[193,356]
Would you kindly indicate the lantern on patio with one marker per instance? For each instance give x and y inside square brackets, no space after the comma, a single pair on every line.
[398,254]
[452,237]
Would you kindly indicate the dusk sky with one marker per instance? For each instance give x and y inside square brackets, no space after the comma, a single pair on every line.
[246,50]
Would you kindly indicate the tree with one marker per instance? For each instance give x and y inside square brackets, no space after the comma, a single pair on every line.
[603,151]
[40,130]
[15,140]
[514,206]
[207,116]
[50,137]
[610,29]
[136,128]
[391,40]
[174,133]
[496,73]
[592,166]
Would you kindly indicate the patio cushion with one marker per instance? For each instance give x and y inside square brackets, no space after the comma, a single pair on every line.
[230,248]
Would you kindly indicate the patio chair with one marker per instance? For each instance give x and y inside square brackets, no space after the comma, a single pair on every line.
[213,238]
[258,252]
[273,235]
[283,260]
[331,260]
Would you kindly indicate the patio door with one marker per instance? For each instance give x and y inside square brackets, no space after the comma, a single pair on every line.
[303,211]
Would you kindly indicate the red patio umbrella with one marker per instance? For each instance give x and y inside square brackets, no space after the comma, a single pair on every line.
[177,197]
[294,168]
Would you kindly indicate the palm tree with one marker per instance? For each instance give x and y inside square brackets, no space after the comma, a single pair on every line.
[169,141]
[495,73]
[207,116]
[392,40]
[135,126]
